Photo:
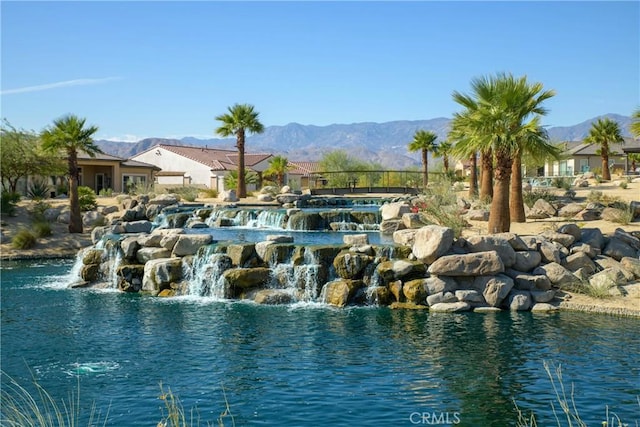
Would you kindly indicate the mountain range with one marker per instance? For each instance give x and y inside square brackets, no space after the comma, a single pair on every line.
[383,143]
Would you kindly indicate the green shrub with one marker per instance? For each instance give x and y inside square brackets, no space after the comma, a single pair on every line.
[37,210]
[87,199]
[9,202]
[622,215]
[562,182]
[42,229]
[38,189]
[24,239]
[624,185]
[62,189]
[106,192]
[530,197]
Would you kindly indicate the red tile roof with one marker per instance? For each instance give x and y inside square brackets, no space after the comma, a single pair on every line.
[304,168]
[216,159]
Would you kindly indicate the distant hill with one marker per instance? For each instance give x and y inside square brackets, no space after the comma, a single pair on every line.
[384,143]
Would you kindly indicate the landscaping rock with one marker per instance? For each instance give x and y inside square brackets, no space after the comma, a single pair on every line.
[431,242]
[473,264]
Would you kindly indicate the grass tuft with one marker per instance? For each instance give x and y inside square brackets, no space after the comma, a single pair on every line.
[24,239]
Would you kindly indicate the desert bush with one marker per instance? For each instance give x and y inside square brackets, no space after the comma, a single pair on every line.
[209,193]
[9,202]
[87,199]
[42,229]
[106,192]
[561,182]
[623,185]
[24,239]
[622,215]
[190,194]
[530,197]
[38,189]
[37,210]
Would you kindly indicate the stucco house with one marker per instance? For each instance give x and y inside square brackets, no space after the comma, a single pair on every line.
[304,175]
[101,172]
[199,166]
[580,157]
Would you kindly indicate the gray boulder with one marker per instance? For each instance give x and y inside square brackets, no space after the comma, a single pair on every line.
[473,264]
[431,242]
[497,243]
[527,260]
[188,244]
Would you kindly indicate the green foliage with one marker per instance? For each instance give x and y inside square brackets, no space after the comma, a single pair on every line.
[38,189]
[42,229]
[189,194]
[37,210]
[22,155]
[9,201]
[140,188]
[596,196]
[23,239]
[342,170]
[87,199]
[62,189]
[623,185]
[231,179]
[530,197]
[106,192]
[278,167]
[622,214]
[562,182]
[175,415]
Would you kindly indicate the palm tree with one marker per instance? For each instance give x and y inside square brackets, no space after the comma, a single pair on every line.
[635,125]
[444,150]
[535,145]
[278,167]
[69,135]
[500,115]
[240,119]
[604,132]
[424,141]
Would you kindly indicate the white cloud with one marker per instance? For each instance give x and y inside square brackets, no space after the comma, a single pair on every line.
[122,138]
[56,85]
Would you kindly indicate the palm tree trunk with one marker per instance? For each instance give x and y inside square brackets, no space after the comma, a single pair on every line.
[486,178]
[445,160]
[241,186]
[473,178]
[499,218]
[606,175]
[516,207]
[425,165]
[75,216]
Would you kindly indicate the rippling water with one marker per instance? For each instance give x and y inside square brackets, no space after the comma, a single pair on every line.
[308,365]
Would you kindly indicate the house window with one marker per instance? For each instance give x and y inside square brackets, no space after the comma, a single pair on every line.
[129,182]
[584,165]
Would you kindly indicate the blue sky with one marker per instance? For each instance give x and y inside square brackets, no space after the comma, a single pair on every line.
[166,69]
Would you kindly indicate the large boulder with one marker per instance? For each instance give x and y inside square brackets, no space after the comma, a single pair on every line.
[246,278]
[188,244]
[518,300]
[144,255]
[580,260]
[431,242]
[273,297]
[526,260]
[451,307]
[632,265]
[241,253]
[414,291]
[558,275]
[340,292]
[618,248]
[497,243]
[351,265]
[494,289]
[160,273]
[394,210]
[473,264]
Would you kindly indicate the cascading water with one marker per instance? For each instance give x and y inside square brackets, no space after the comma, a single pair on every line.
[269,218]
[114,255]
[301,279]
[205,277]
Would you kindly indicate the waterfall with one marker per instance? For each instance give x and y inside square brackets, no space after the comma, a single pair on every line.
[269,218]
[302,279]
[205,277]
[114,256]
[74,274]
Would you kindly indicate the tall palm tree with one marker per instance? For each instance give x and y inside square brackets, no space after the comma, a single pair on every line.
[604,132]
[69,135]
[635,125]
[444,150]
[278,167]
[501,114]
[535,144]
[424,141]
[240,120]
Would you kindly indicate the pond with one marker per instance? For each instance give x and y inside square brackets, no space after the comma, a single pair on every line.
[308,363]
